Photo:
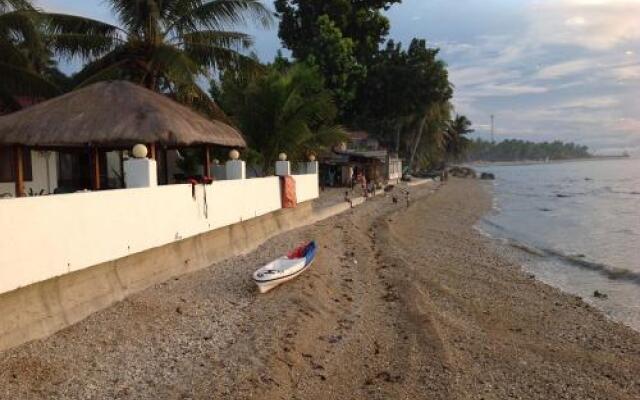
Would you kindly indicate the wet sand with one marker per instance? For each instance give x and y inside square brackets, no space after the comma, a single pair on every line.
[402,303]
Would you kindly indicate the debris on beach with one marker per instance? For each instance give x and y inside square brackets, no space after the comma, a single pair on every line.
[463,172]
[599,295]
[487,176]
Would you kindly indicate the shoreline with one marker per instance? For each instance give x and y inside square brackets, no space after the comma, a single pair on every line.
[538,162]
[414,300]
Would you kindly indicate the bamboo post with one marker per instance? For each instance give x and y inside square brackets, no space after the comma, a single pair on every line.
[206,161]
[18,168]
[95,168]
[152,151]
[165,162]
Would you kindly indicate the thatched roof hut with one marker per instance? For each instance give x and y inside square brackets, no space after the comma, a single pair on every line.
[114,114]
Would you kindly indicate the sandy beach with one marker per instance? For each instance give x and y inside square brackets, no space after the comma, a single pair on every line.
[402,303]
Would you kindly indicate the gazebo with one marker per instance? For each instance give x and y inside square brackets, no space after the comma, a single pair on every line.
[111,116]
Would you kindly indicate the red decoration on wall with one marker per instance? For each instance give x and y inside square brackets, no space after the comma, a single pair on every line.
[288,192]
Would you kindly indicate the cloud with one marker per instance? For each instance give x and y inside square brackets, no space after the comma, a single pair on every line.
[570,72]
[508,90]
[548,69]
[595,25]
[563,69]
[627,73]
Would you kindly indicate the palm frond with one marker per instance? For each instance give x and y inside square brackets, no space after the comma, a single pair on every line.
[21,25]
[135,16]
[195,97]
[120,55]
[23,82]
[12,54]
[65,23]
[12,5]
[70,45]
[112,72]
[226,39]
[175,64]
[71,36]
[221,58]
[220,14]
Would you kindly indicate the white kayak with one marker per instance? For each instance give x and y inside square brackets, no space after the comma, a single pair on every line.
[285,268]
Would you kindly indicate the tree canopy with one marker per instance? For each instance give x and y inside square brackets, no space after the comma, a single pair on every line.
[27,66]
[457,142]
[520,150]
[163,45]
[340,36]
[361,21]
[406,92]
[285,109]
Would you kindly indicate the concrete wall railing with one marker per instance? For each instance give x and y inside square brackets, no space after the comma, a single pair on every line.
[307,187]
[50,236]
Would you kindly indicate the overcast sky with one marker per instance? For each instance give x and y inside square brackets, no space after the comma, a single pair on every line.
[547,69]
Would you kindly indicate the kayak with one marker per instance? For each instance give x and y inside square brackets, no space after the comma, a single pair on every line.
[285,268]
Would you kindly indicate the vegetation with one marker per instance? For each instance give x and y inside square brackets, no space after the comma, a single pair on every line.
[27,67]
[165,46]
[406,99]
[285,109]
[519,150]
[342,37]
[341,74]
[457,142]
[360,21]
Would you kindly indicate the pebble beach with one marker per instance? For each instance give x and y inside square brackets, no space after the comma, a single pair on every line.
[401,303]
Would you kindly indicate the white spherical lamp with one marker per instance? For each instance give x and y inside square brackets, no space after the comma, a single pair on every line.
[312,157]
[216,161]
[282,157]
[234,154]
[140,151]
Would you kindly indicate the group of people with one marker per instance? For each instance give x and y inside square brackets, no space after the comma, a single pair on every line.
[358,179]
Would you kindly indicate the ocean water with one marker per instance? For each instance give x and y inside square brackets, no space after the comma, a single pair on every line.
[576,226]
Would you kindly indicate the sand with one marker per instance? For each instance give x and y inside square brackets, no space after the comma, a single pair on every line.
[402,303]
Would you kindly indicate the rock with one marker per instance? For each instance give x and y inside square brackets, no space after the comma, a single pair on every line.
[487,176]
[463,172]
[599,295]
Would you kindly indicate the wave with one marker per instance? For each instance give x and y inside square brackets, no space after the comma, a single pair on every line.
[579,260]
[609,189]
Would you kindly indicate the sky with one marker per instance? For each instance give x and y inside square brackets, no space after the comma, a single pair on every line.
[546,69]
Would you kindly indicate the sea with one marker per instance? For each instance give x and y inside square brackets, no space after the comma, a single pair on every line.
[575,226]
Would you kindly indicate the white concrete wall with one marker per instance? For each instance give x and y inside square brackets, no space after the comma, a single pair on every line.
[39,168]
[307,187]
[45,237]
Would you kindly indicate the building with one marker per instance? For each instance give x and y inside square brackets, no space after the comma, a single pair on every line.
[359,154]
[80,140]
[66,256]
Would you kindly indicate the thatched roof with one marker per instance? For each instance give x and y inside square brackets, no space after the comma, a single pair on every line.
[116,113]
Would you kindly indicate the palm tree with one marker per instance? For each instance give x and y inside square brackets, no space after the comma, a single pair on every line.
[457,141]
[26,65]
[165,45]
[283,110]
[431,132]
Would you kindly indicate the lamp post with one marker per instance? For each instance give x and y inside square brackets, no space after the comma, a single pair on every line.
[283,167]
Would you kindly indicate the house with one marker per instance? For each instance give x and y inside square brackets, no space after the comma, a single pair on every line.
[68,255]
[79,140]
[361,153]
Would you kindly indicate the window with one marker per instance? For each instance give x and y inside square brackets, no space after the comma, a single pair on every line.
[7,174]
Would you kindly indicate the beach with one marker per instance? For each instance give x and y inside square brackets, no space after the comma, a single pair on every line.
[401,303]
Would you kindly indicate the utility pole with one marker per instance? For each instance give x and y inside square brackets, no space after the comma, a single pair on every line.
[493,129]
